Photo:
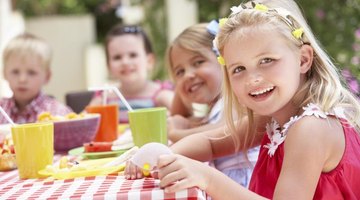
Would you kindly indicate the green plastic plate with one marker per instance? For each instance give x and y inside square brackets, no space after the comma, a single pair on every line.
[95,155]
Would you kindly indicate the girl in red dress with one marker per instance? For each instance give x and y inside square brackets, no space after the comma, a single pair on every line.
[275,71]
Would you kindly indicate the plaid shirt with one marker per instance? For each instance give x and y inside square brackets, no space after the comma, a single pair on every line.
[41,103]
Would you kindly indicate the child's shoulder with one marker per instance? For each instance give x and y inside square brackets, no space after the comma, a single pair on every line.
[318,136]
[5,101]
[55,107]
[165,84]
[315,121]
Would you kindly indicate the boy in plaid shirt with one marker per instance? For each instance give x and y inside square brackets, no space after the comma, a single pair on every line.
[27,69]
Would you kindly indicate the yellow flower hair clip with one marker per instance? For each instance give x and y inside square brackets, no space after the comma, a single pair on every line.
[297,33]
[222,21]
[221,60]
[261,7]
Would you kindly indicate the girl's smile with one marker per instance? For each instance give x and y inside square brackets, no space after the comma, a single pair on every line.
[262,93]
[194,87]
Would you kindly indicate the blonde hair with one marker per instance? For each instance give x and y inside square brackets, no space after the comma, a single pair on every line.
[195,39]
[323,85]
[28,45]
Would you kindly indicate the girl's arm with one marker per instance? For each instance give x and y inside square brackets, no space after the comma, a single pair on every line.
[308,154]
[186,173]
[205,146]
[217,142]
[312,146]
[180,127]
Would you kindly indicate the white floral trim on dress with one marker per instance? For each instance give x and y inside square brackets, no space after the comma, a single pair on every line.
[277,137]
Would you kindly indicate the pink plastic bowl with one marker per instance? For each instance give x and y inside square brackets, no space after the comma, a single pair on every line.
[75,132]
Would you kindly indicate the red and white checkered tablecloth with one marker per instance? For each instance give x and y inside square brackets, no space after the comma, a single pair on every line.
[99,187]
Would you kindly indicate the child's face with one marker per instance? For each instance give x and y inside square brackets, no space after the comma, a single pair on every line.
[197,77]
[26,76]
[264,72]
[128,60]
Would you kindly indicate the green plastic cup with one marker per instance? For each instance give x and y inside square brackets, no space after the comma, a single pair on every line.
[148,125]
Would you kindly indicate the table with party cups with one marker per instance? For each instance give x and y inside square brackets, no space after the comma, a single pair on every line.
[34,148]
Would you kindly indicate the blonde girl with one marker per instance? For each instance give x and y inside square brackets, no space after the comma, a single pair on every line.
[197,77]
[274,67]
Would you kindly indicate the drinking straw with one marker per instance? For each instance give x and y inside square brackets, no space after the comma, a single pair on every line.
[104,97]
[117,92]
[6,116]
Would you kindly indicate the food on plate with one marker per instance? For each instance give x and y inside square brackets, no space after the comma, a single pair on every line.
[66,166]
[84,168]
[47,117]
[97,146]
[7,154]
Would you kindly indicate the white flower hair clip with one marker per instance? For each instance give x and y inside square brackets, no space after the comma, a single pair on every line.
[236,9]
[283,14]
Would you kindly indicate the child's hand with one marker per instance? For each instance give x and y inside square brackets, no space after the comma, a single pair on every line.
[132,171]
[177,173]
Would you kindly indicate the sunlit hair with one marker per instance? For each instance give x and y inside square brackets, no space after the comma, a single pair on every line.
[27,45]
[194,39]
[120,30]
[323,85]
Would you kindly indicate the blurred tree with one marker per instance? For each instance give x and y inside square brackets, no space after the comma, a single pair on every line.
[103,11]
[155,25]
[336,24]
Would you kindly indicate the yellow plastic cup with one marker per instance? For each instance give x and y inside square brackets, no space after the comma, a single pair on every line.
[148,125]
[34,147]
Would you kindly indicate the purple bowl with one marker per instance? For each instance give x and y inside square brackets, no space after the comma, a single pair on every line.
[75,132]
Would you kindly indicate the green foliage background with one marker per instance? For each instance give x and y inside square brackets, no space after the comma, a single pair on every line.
[336,23]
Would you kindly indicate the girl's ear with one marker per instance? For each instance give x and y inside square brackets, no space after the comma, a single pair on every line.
[151,61]
[306,58]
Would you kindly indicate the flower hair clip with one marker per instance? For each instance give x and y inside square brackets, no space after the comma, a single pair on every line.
[283,14]
[221,60]
[257,6]
[222,21]
[297,33]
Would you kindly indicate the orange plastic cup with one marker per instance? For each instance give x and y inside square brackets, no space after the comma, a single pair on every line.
[108,130]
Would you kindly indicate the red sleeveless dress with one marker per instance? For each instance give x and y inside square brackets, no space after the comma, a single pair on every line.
[343,182]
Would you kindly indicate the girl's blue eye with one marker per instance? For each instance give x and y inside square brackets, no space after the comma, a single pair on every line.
[266,60]
[238,69]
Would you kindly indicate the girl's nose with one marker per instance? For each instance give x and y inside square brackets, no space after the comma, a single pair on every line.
[189,72]
[254,78]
